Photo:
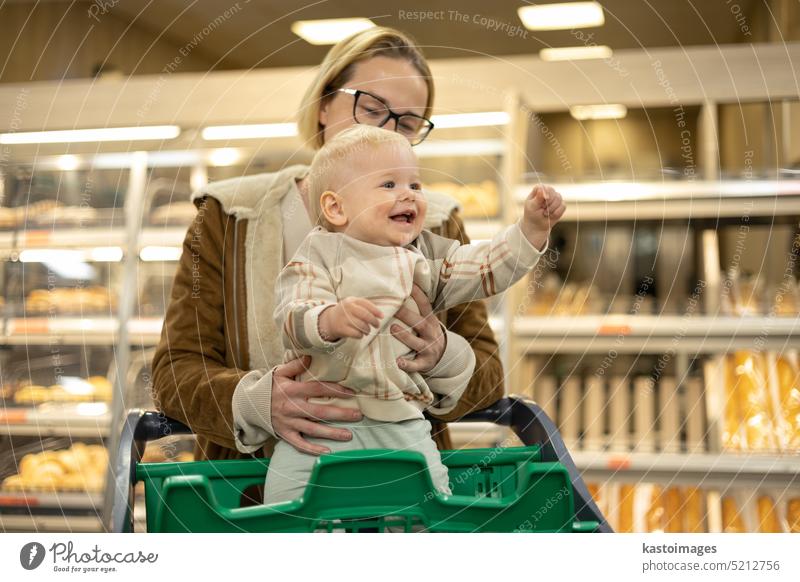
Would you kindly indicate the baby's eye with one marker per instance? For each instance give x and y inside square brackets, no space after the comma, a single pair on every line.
[389,184]
[416,186]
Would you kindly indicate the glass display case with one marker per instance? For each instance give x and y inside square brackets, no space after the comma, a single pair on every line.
[661,336]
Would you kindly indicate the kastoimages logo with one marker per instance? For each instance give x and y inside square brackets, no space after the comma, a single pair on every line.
[31,555]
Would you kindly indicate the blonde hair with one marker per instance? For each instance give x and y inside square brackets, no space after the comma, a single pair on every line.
[332,161]
[337,69]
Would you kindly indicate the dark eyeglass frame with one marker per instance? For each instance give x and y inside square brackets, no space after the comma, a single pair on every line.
[427,124]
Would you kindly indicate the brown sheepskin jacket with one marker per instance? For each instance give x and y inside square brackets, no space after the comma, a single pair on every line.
[205,343]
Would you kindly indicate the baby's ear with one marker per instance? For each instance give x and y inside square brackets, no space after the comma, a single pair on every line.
[331,204]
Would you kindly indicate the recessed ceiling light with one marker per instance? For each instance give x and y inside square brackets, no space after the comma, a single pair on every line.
[561,16]
[224,157]
[157,253]
[478,119]
[330,30]
[602,111]
[106,254]
[252,131]
[575,53]
[143,132]
[68,162]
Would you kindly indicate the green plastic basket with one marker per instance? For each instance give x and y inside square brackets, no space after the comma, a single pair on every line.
[494,490]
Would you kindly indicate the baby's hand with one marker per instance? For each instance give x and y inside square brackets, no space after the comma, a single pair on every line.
[351,317]
[543,208]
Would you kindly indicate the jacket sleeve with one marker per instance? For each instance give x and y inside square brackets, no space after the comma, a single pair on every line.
[191,380]
[448,380]
[470,322]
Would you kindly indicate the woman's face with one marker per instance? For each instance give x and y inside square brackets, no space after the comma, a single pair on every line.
[395,80]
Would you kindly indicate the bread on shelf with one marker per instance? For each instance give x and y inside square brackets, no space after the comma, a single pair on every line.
[85,300]
[788,380]
[793,515]
[477,200]
[81,467]
[748,421]
[72,390]
[732,519]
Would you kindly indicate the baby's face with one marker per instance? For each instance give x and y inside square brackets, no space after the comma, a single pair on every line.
[382,197]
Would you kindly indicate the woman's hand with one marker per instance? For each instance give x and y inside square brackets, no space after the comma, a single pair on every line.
[427,338]
[293,416]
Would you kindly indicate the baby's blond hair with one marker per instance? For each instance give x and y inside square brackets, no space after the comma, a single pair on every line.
[334,159]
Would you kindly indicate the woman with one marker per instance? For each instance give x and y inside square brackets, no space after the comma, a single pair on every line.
[215,366]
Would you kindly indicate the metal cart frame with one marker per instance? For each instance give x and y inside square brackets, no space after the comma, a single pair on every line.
[524,417]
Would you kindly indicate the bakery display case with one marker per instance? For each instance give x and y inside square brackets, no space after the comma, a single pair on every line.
[61,245]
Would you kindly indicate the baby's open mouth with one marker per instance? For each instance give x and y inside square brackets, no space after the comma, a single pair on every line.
[407,216]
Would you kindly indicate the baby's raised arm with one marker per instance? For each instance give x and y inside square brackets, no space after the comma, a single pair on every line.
[480,270]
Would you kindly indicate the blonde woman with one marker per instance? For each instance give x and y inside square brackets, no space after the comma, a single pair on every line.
[218,364]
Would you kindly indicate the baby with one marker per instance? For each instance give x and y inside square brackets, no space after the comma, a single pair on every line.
[338,296]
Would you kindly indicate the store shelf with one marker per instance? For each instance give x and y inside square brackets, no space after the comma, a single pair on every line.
[706,470]
[90,419]
[97,331]
[66,511]
[610,200]
[61,500]
[87,238]
[170,236]
[653,334]
[67,238]
[50,523]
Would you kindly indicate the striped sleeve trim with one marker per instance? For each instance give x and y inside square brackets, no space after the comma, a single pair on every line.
[310,324]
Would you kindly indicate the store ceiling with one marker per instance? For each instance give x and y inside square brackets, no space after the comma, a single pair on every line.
[244,34]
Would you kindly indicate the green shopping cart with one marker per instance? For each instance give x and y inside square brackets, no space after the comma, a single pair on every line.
[530,488]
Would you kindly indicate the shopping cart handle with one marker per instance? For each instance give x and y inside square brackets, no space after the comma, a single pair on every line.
[499,413]
[533,427]
[140,427]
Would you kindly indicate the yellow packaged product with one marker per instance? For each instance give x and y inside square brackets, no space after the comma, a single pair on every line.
[749,398]
[655,518]
[695,511]
[673,510]
[768,521]
[732,521]
[793,515]
[626,498]
[789,405]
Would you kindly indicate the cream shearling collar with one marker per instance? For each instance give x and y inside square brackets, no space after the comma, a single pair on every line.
[249,196]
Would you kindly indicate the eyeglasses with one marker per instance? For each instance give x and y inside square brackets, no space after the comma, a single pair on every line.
[369,109]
